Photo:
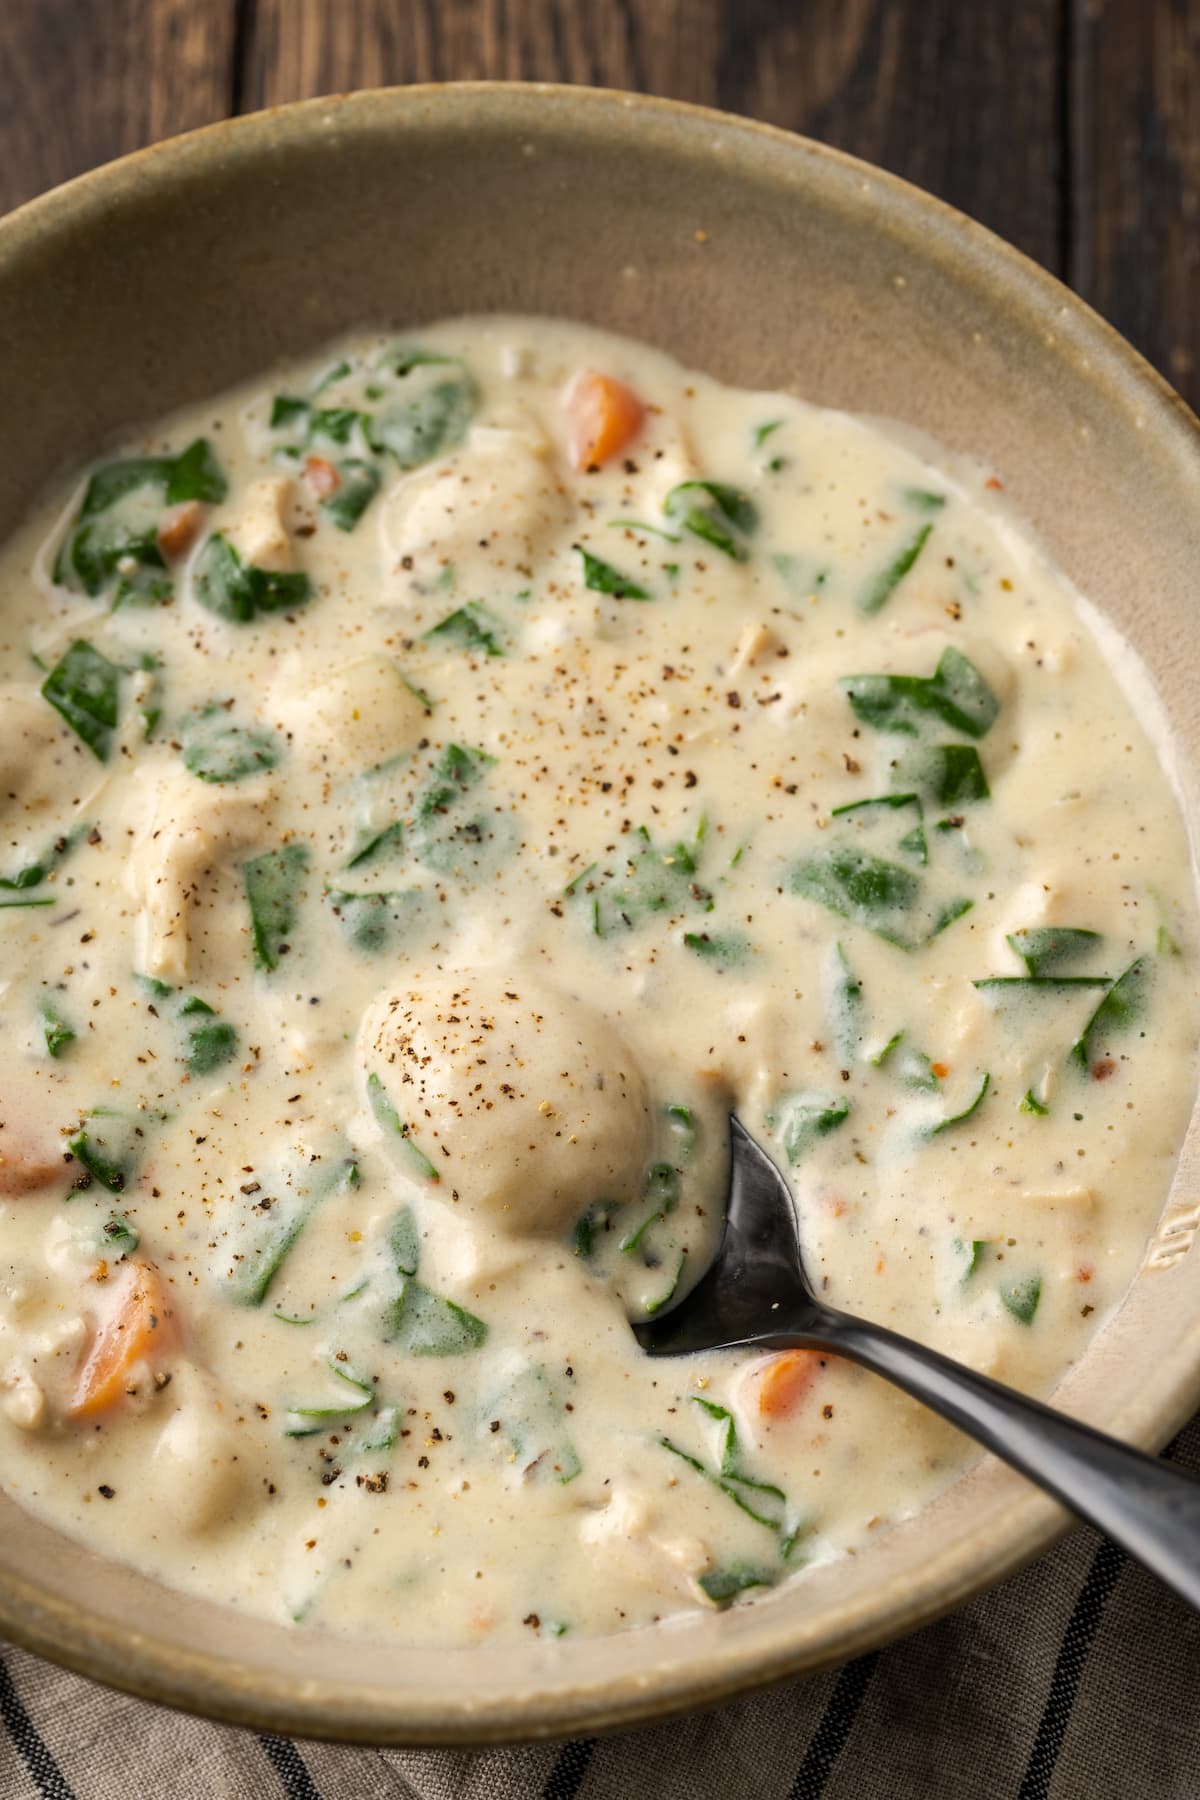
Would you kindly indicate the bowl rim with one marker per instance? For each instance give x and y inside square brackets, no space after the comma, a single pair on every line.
[222,1688]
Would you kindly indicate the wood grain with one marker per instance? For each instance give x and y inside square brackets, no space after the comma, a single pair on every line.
[1135,165]
[924,88]
[83,82]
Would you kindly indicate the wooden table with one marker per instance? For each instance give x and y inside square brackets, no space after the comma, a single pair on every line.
[1072,127]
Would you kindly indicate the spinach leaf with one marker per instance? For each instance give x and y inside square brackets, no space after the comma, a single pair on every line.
[762,1501]
[596,1219]
[923,500]
[378,846]
[968,1111]
[973,1254]
[308,1419]
[358,484]
[882,896]
[526,1423]
[238,591]
[375,922]
[425,1324]
[844,1003]
[471,627]
[112,543]
[602,578]
[1120,1010]
[883,814]
[805,1118]
[444,829]
[59,1034]
[722,516]
[33,874]
[387,1117]
[883,585]
[911,1066]
[86,689]
[110,1146]
[662,1186]
[724,949]
[404,1241]
[276,1221]
[1022,1297]
[945,774]
[1031,1104]
[429,415]
[1053,949]
[215,748]
[273,883]
[210,1042]
[652,880]
[118,1236]
[956,693]
[723,1585]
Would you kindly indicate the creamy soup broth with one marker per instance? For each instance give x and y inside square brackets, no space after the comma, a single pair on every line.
[441,781]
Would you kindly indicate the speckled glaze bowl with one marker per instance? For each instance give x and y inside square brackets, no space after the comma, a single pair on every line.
[768,261]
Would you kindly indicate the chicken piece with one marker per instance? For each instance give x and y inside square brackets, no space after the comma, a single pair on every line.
[261,533]
[629,1530]
[359,716]
[188,829]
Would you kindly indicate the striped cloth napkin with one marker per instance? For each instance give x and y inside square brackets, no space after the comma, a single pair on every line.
[1079,1679]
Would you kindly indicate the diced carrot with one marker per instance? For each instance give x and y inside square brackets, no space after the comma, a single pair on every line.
[994,482]
[784,1379]
[321,476]
[139,1328]
[941,1070]
[178,528]
[605,416]
[24,1171]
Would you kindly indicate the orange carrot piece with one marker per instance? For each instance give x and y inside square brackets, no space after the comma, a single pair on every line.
[321,476]
[140,1326]
[604,415]
[178,528]
[24,1171]
[785,1379]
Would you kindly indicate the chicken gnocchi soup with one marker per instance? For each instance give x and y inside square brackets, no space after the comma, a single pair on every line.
[441,783]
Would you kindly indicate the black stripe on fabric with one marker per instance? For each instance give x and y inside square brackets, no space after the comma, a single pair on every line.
[289,1765]
[45,1773]
[837,1722]
[566,1777]
[1068,1670]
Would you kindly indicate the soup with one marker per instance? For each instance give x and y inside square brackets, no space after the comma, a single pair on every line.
[442,782]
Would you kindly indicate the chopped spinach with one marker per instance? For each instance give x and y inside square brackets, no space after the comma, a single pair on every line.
[111,546]
[1119,1011]
[1053,950]
[280,1210]
[526,1423]
[273,884]
[110,1145]
[883,585]
[944,774]
[118,1235]
[956,693]
[470,627]
[380,845]
[444,829]
[721,515]
[375,922]
[883,814]
[85,688]
[724,949]
[58,1033]
[1031,1104]
[804,1118]
[305,1420]
[973,1253]
[1021,1298]
[239,591]
[392,1124]
[209,1041]
[426,1324]
[602,578]
[968,1111]
[882,896]
[215,748]
[723,1585]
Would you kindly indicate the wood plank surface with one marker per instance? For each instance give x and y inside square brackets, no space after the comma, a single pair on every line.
[1134,156]
[82,82]
[924,89]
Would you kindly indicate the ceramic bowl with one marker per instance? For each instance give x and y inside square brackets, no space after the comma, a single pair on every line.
[770,262]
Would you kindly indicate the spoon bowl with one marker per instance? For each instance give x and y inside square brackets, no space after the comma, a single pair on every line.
[755,1294]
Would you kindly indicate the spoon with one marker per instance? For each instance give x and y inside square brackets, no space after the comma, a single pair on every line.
[756,1295]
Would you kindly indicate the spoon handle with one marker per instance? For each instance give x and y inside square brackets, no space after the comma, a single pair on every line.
[1142,1503]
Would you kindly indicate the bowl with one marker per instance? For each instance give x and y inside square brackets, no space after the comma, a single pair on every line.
[769,261]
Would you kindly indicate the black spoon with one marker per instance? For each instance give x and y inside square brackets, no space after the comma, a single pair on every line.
[756,1294]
